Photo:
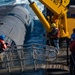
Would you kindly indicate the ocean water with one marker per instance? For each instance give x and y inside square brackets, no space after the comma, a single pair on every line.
[6,2]
[35,35]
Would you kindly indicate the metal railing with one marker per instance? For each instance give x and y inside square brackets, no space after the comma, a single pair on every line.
[28,57]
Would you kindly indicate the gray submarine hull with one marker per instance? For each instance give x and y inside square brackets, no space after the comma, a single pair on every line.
[14,20]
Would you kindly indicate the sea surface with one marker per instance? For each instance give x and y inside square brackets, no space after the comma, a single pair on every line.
[35,35]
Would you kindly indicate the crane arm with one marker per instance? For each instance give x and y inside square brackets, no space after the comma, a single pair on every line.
[58,7]
[40,15]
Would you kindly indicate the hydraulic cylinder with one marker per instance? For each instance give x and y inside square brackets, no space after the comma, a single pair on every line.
[40,16]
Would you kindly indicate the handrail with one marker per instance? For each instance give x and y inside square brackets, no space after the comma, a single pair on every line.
[29,57]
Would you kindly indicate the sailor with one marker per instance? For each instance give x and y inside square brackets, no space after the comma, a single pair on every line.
[72,49]
[3,45]
[3,48]
[55,35]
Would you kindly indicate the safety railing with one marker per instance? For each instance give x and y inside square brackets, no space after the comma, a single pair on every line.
[28,57]
[33,57]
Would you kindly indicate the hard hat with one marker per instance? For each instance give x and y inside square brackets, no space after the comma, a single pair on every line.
[53,25]
[2,37]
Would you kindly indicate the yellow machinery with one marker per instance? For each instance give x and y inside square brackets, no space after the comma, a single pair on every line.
[59,9]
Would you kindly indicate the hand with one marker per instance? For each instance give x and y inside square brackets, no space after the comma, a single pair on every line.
[8,45]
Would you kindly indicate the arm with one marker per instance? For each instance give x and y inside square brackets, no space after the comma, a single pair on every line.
[4,46]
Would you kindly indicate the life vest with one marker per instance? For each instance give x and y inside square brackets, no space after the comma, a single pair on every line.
[2,45]
[54,33]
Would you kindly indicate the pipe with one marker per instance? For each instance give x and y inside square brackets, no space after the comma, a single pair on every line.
[40,16]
